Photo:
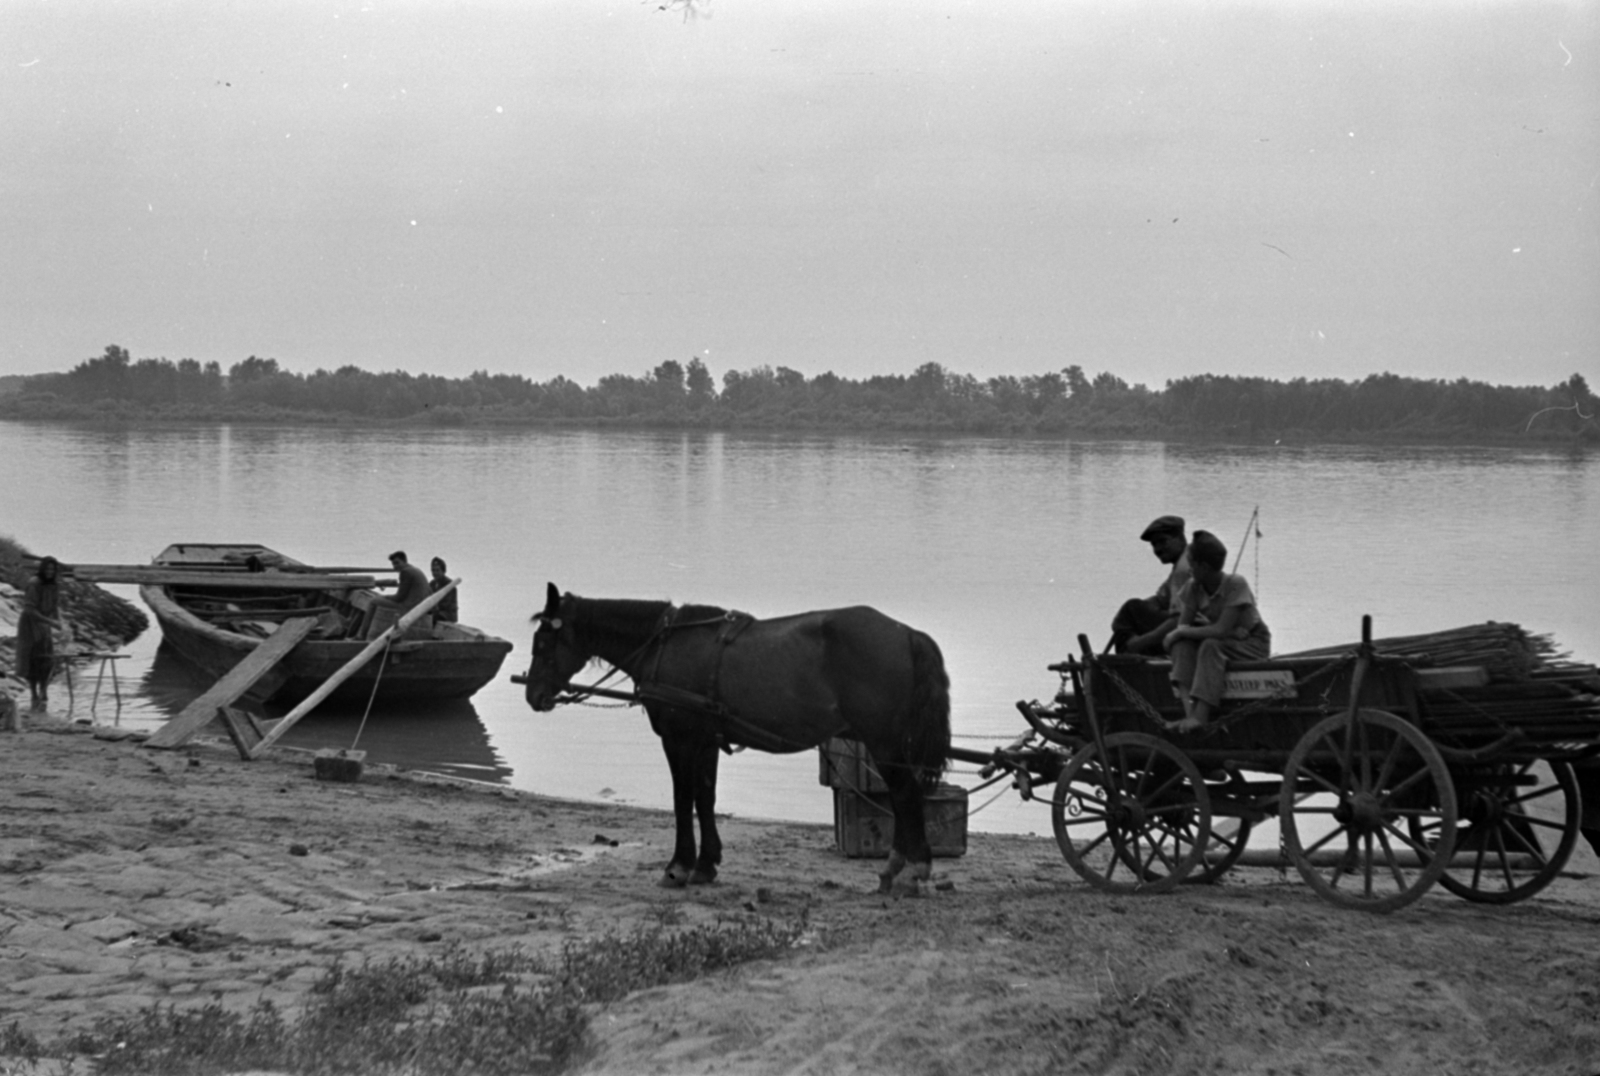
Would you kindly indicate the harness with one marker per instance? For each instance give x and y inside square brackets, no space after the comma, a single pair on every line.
[648,689]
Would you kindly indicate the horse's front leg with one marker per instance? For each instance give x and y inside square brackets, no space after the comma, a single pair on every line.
[680,760]
[705,805]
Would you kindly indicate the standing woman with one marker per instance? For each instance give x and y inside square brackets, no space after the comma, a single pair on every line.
[1218,620]
[41,611]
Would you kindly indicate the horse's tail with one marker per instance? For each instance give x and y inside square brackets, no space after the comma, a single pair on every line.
[927,741]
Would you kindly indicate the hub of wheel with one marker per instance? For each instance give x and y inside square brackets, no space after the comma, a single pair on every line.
[1128,814]
[1366,812]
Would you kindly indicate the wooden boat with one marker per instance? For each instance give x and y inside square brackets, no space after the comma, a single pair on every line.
[217,602]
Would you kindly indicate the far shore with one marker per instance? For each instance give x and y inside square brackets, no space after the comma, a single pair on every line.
[754,426]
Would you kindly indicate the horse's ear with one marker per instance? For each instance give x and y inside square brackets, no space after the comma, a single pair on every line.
[552,600]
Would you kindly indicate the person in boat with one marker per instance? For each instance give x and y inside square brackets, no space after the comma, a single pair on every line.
[41,611]
[1217,621]
[413,588]
[1142,624]
[447,610]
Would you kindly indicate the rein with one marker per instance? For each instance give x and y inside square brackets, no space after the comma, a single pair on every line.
[645,691]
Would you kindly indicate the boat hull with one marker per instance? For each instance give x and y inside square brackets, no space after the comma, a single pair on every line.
[454,667]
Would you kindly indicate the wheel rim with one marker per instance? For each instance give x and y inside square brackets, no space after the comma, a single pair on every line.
[1228,842]
[1135,820]
[1516,831]
[1357,793]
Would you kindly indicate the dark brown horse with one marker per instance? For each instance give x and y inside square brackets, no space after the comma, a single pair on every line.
[712,680]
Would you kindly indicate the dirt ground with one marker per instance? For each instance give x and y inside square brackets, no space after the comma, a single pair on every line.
[129,875]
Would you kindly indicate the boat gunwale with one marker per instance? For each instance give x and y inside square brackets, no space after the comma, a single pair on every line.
[169,610]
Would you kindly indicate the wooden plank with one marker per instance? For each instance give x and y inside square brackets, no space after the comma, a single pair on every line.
[227,567]
[233,684]
[243,729]
[259,614]
[351,667]
[183,577]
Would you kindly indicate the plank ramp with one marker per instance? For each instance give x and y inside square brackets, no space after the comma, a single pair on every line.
[238,680]
[186,577]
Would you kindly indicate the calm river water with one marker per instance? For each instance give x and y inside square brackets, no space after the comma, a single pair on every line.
[1003,550]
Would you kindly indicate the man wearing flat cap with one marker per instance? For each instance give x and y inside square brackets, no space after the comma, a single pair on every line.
[1142,623]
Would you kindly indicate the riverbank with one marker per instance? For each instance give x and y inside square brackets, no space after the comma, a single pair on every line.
[98,622]
[134,877]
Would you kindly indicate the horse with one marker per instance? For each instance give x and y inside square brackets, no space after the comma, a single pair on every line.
[713,680]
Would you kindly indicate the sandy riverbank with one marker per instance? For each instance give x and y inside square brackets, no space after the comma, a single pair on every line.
[131,876]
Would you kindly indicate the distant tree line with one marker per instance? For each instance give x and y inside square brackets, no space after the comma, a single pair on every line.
[1064,402]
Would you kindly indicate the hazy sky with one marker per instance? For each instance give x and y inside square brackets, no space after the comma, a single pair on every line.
[1323,188]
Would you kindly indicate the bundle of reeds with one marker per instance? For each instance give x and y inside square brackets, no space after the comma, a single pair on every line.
[1505,650]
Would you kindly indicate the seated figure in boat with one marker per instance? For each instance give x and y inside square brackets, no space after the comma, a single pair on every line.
[412,590]
[447,611]
[1142,624]
[1217,620]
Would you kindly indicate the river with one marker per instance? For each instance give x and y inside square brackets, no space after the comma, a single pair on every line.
[1005,551]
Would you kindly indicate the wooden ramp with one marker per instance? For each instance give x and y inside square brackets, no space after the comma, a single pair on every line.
[239,679]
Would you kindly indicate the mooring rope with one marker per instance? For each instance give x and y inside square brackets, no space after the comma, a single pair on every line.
[375,681]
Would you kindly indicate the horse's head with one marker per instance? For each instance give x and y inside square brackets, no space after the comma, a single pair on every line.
[555,651]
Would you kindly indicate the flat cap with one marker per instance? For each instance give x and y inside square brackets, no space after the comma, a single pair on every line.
[1162,527]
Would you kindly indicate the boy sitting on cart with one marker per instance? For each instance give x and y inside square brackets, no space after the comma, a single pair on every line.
[1217,620]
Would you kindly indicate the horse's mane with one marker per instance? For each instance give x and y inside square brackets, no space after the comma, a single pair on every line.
[630,622]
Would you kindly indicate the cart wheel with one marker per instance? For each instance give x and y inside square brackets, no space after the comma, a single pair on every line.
[1228,842]
[1517,828]
[1134,821]
[1348,786]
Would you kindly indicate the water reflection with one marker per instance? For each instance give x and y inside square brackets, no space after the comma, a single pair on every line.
[439,736]
[170,683]
[445,737]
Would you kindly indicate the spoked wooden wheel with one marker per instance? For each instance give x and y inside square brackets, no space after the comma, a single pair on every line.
[1519,823]
[1134,820]
[1356,792]
[1229,838]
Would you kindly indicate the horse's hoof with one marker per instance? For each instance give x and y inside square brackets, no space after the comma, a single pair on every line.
[700,877]
[885,883]
[908,887]
[673,878]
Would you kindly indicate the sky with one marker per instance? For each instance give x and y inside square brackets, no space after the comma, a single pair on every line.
[1295,188]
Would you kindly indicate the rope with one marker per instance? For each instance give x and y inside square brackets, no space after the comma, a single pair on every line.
[1139,702]
[974,810]
[1286,693]
[375,681]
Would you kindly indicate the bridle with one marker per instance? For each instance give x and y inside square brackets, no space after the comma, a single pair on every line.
[550,625]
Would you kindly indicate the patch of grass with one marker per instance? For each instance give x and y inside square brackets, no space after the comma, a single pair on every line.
[500,1013]
[613,967]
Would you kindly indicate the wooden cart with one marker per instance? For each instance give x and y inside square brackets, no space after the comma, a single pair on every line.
[1384,777]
